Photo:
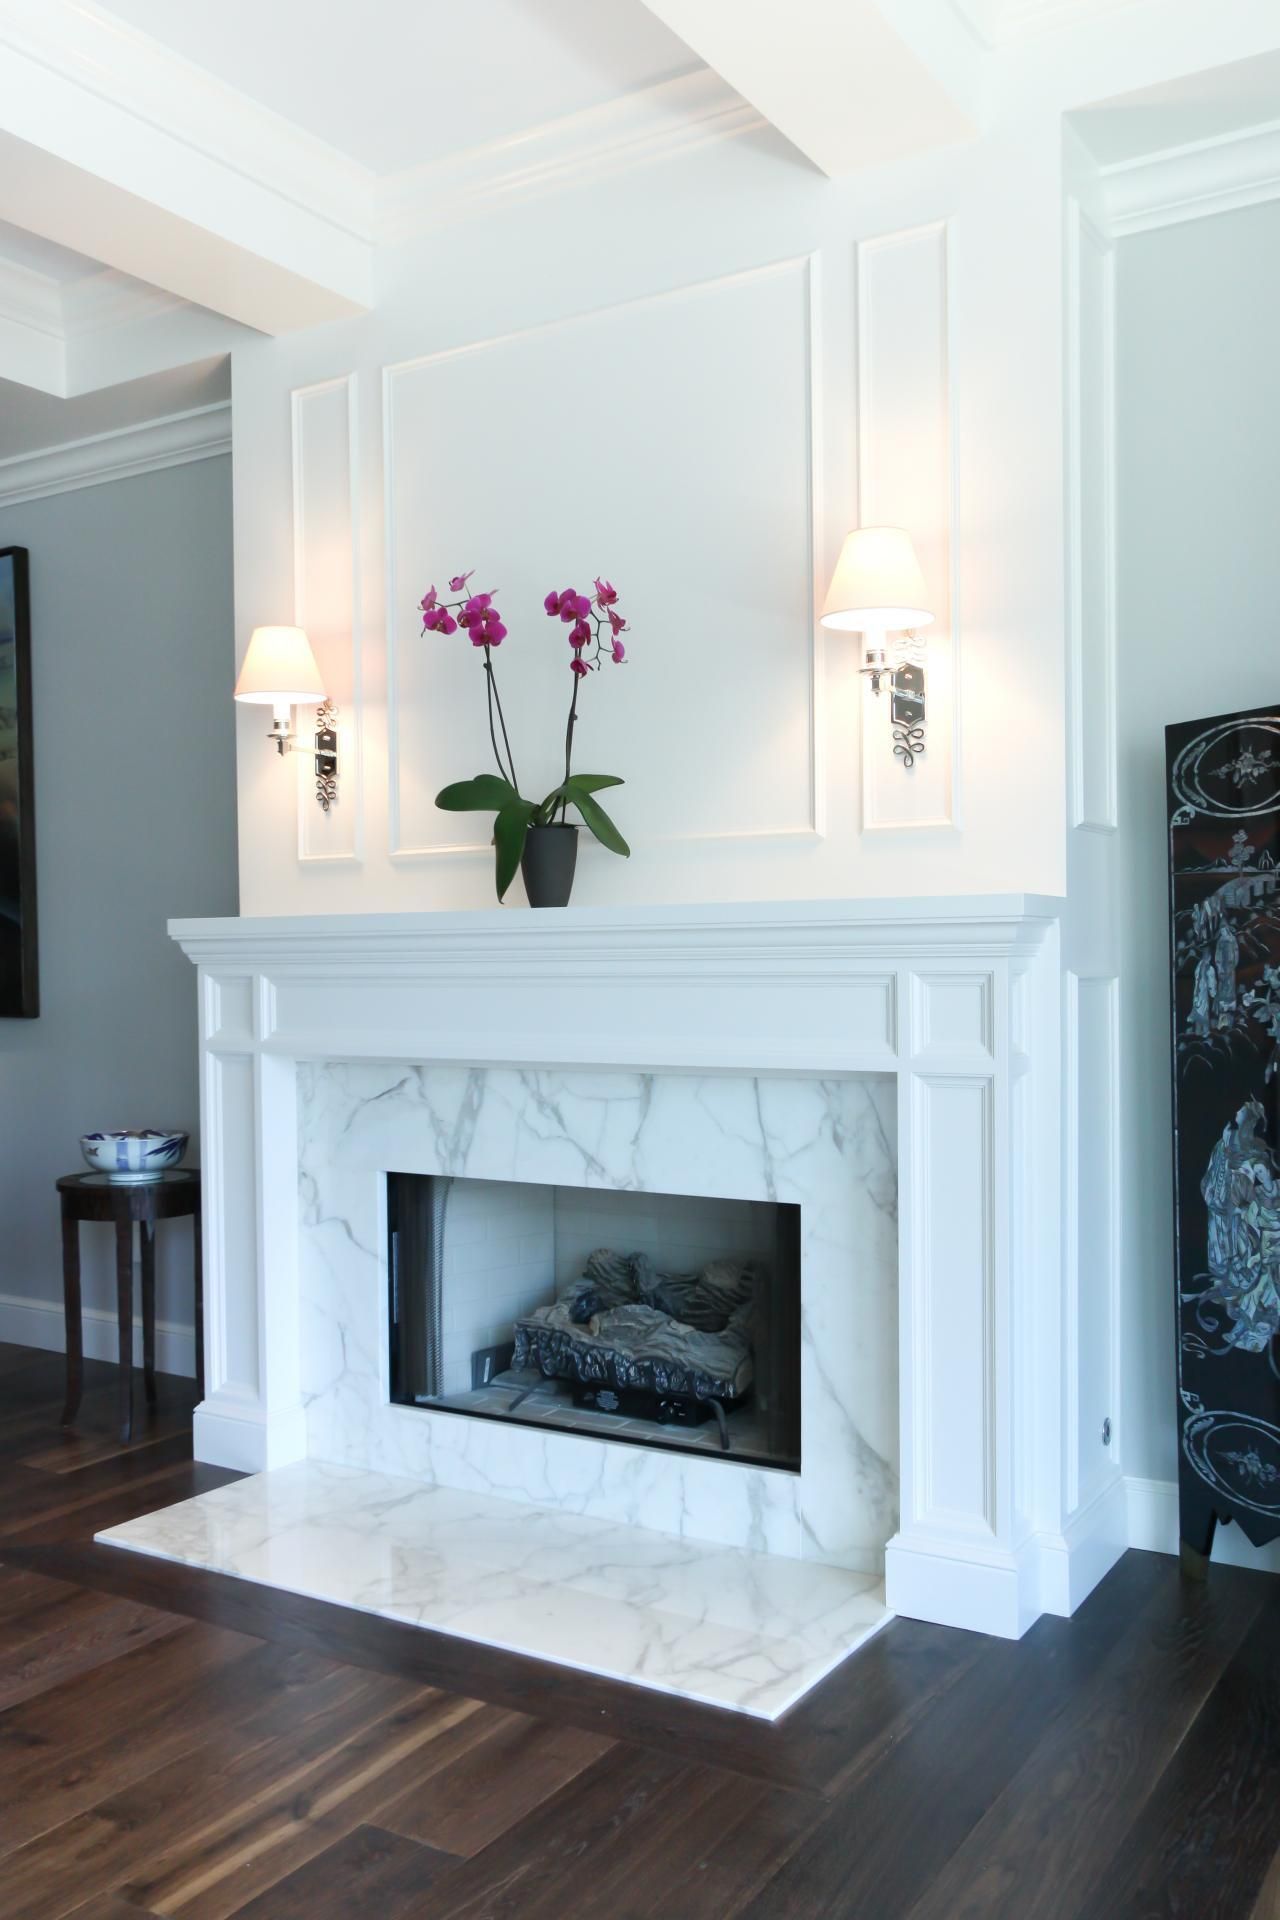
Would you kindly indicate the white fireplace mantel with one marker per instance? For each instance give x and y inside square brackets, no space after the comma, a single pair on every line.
[958,998]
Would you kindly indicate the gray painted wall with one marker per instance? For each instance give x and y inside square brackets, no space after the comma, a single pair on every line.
[1198,420]
[133,661]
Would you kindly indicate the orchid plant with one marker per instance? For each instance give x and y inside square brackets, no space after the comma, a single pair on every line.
[595,635]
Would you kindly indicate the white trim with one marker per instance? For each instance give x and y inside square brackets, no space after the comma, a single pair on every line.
[99,52]
[1152,1509]
[1071,1564]
[39,1323]
[95,50]
[31,299]
[812,828]
[653,123]
[350,721]
[1189,182]
[64,309]
[243,1440]
[112,299]
[199,434]
[956,996]
[756,942]
[1091,698]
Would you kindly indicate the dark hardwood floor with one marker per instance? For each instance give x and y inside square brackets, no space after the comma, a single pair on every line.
[177,1743]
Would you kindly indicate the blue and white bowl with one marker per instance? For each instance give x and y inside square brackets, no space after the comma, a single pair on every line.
[130,1154]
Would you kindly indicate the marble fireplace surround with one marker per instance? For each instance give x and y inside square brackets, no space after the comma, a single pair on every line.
[938,1016]
[828,1145]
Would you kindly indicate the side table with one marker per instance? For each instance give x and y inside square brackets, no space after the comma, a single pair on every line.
[92,1196]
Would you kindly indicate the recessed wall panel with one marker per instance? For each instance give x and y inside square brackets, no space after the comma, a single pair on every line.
[326,604]
[905,479]
[665,445]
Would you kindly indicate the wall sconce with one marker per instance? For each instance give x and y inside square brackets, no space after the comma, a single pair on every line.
[280,672]
[878,589]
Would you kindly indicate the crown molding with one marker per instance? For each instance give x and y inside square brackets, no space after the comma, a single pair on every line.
[112,299]
[30,299]
[101,53]
[1190,182]
[173,441]
[64,309]
[95,50]
[651,124]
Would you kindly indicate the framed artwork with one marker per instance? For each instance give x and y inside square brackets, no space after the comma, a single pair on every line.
[19,978]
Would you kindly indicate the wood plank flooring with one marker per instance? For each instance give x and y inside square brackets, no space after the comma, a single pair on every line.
[174,1743]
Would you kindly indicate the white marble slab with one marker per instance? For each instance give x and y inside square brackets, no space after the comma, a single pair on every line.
[828,1146]
[752,1632]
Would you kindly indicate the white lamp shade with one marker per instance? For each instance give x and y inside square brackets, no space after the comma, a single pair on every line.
[877,585]
[280,670]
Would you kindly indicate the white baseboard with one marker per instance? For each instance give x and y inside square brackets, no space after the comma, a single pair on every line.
[1072,1563]
[1153,1525]
[39,1323]
[232,1430]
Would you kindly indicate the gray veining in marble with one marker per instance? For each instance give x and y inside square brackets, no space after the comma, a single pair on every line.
[747,1631]
[827,1144]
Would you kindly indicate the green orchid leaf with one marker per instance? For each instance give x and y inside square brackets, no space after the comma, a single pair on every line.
[511,824]
[486,793]
[600,824]
[568,791]
[590,782]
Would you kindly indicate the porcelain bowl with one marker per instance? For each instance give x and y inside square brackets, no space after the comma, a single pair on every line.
[133,1153]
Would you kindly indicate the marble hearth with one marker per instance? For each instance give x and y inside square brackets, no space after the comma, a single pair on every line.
[875,1064]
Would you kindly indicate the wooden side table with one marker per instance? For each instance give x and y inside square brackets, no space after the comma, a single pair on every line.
[92,1196]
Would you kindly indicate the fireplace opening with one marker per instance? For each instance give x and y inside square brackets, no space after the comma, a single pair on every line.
[665,1320]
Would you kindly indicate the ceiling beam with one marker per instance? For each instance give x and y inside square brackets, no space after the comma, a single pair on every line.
[851,83]
[112,147]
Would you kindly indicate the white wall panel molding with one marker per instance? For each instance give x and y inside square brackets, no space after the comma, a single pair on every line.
[908,476]
[328,604]
[1190,182]
[1091,1233]
[200,434]
[653,123]
[921,989]
[1091,494]
[769,705]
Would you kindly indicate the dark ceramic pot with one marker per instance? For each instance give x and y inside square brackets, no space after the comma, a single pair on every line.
[547,864]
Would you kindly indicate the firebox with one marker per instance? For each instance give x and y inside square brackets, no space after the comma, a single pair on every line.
[652,1319]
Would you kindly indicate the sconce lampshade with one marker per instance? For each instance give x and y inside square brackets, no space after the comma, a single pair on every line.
[280,670]
[877,585]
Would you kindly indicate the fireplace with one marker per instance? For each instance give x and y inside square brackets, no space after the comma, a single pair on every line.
[890,1069]
[651,1319]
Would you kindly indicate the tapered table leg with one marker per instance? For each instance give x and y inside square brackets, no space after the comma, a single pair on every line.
[71,1313]
[124,1316]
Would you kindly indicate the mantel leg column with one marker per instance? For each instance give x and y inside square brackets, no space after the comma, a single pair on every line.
[969,1278]
[251,1416]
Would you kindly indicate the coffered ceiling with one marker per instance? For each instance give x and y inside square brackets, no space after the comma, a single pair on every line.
[392,83]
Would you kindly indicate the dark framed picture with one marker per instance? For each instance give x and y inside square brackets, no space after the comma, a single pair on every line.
[19,976]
